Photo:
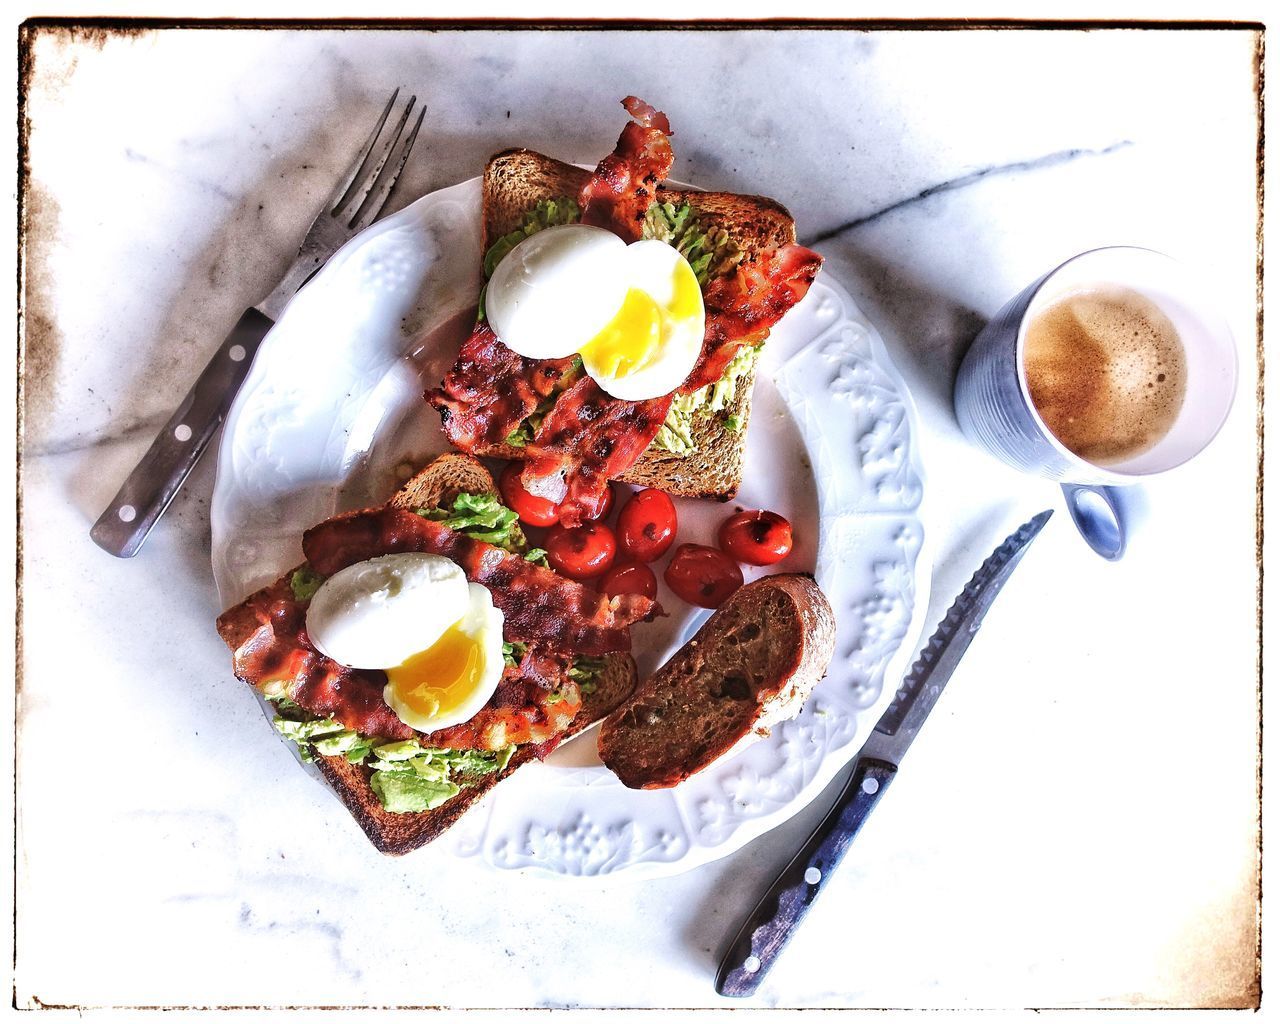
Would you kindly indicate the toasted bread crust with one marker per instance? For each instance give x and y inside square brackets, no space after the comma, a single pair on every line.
[751,665]
[398,834]
[393,833]
[516,179]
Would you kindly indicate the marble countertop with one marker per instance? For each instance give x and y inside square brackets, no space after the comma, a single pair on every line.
[1077,826]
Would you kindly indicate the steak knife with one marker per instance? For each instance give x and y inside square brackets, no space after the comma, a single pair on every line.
[765,932]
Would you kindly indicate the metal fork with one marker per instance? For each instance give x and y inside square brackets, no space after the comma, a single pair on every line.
[353,205]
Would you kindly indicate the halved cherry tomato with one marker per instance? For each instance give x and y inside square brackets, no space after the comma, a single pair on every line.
[647,525]
[605,508]
[532,510]
[581,552]
[756,537]
[630,578]
[701,575]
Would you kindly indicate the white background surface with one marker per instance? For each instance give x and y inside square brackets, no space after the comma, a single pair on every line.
[1075,827]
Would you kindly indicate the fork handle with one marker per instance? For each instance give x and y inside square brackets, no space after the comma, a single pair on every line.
[147,491]
[766,931]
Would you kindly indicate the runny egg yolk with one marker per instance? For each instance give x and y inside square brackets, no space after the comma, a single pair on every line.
[436,681]
[634,338]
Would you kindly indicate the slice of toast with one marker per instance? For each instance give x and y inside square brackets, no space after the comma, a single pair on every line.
[516,179]
[396,833]
[751,665]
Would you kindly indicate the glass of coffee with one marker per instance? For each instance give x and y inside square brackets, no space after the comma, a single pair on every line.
[1111,367]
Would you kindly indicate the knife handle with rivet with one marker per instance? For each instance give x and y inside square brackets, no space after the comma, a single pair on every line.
[766,931]
[147,491]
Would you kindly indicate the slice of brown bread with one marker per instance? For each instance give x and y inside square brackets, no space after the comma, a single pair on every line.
[398,834]
[392,833]
[751,665]
[442,480]
[516,179]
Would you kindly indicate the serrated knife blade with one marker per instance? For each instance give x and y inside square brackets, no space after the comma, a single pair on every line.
[923,684]
[767,929]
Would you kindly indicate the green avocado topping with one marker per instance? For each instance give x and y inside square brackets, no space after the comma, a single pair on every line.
[304,583]
[548,213]
[586,672]
[404,793]
[406,775]
[482,517]
[710,251]
[676,433]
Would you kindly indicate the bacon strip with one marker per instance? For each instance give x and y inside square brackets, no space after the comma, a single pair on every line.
[538,605]
[269,642]
[588,438]
[534,703]
[744,305]
[620,192]
[490,390]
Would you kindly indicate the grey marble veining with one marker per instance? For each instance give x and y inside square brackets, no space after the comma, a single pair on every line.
[963,181]
[1037,848]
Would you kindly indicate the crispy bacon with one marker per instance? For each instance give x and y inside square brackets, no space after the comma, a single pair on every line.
[270,646]
[543,666]
[534,703]
[537,604]
[647,114]
[620,192]
[490,390]
[588,438]
[744,305]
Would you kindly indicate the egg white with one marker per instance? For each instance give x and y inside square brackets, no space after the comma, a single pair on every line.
[566,289]
[554,291]
[394,612]
[377,613]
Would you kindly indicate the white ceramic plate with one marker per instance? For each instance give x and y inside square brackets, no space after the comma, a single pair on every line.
[331,417]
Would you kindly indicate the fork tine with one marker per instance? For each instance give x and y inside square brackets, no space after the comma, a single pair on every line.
[386,181]
[368,176]
[339,194]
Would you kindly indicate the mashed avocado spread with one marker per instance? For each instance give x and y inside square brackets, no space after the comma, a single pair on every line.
[710,251]
[676,433]
[407,776]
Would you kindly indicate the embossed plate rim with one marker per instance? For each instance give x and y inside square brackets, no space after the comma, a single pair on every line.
[462,838]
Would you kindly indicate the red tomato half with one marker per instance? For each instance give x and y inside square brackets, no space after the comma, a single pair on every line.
[607,507]
[757,538]
[630,578]
[532,510]
[581,552]
[701,575]
[647,525]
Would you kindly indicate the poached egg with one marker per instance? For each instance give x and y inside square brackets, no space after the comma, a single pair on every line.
[416,617]
[633,312]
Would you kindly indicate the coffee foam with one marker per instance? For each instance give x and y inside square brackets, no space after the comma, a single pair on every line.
[1106,371]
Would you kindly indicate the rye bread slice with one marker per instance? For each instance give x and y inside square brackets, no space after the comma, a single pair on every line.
[398,834]
[751,665]
[438,484]
[516,179]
